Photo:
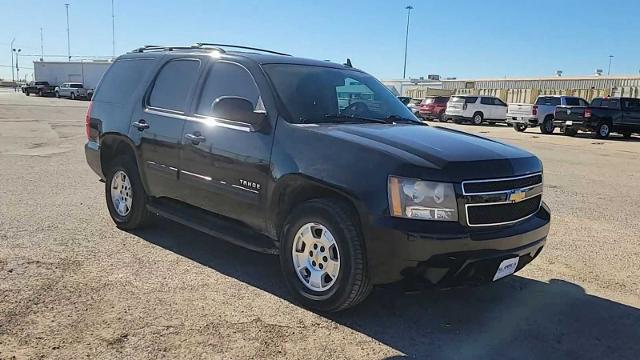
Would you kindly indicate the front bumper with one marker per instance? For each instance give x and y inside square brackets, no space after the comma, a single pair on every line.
[450,254]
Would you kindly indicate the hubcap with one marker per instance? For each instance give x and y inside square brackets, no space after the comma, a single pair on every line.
[316,258]
[604,130]
[477,119]
[121,193]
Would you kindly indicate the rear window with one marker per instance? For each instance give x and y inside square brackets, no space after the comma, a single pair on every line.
[548,100]
[122,79]
[441,100]
[596,102]
[428,101]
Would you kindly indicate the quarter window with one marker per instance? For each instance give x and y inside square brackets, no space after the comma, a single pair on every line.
[173,84]
[226,79]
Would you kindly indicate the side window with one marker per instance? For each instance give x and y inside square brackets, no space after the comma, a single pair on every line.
[470,100]
[172,85]
[572,101]
[596,102]
[498,102]
[226,79]
[631,104]
[122,79]
[486,101]
[583,102]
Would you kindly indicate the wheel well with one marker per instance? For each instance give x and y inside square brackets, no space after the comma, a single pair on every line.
[478,112]
[298,193]
[112,147]
[549,116]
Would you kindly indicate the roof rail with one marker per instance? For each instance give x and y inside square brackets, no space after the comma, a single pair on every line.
[241,47]
[160,48]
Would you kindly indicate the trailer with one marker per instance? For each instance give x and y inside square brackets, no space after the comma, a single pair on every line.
[56,73]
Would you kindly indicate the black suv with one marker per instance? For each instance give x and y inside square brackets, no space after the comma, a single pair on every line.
[315,161]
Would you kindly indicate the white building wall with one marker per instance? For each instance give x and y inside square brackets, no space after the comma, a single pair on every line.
[87,72]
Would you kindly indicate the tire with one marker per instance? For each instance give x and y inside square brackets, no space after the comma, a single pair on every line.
[547,125]
[441,117]
[352,283]
[26,93]
[627,134]
[57,95]
[135,215]
[519,127]
[477,118]
[570,131]
[73,96]
[603,130]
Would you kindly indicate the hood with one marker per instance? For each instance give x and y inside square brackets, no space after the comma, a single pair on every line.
[463,156]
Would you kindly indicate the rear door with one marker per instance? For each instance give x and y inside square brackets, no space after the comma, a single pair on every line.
[226,168]
[157,124]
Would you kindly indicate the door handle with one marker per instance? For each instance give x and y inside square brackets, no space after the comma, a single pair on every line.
[195,138]
[140,125]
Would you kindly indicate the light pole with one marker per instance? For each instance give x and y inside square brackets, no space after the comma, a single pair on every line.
[17,63]
[610,58]
[13,76]
[68,36]
[113,30]
[41,45]
[406,41]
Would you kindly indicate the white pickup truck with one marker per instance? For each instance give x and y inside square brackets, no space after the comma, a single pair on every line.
[522,116]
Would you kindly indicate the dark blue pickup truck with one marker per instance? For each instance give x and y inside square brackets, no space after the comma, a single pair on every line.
[602,117]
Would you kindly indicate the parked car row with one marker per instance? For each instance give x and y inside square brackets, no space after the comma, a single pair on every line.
[568,113]
[66,90]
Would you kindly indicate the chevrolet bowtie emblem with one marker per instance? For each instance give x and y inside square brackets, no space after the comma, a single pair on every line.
[517,196]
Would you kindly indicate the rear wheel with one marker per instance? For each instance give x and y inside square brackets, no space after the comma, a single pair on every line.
[125,195]
[547,125]
[322,256]
[477,118]
[603,130]
[57,95]
[520,127]
[626,134]
[569,131]
[73,96]
[441,117]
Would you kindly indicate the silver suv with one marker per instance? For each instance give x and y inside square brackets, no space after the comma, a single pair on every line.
[73,91]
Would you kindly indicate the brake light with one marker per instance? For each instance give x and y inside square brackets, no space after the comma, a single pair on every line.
[535,110]
[587,113]
[464,106]
[87,120]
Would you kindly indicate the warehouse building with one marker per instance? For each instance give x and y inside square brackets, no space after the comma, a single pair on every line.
[525,90]
[88,72]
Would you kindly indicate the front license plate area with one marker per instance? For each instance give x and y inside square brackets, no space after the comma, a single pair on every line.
[507,267]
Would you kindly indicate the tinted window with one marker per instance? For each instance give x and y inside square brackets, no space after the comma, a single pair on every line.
[76,86]
[548,100]
[596,102]
[631,103]
[583,102]
[442,100]
[486,101]
[173,83]
[226,79]
[572,101]
[610,103]
[471,100]
[121,80]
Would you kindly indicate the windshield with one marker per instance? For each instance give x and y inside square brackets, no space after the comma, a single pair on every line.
[316,94]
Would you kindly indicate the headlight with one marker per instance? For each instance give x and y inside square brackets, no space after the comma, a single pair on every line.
[418,199]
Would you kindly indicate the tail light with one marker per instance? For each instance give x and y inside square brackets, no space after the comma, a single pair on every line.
[587,113]
[464,106]
[535,110]
[87,120]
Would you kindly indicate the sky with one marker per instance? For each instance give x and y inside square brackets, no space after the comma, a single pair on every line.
[463,39]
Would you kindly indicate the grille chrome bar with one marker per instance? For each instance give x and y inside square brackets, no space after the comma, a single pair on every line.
[507,189]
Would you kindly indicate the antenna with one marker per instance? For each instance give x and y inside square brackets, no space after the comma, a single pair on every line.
[348,63]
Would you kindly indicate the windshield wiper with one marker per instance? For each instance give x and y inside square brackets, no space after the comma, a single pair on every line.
[397,119]
[355,118]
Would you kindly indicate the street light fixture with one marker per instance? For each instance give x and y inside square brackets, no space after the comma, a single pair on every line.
[406,41]
[17,51]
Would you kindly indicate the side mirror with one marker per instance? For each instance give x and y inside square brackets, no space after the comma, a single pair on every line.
[235,108]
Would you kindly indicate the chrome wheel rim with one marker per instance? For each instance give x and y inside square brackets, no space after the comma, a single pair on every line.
[604,130]
[121,193]
[316,258]
[477,119]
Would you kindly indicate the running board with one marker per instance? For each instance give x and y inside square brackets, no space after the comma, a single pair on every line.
[212,224]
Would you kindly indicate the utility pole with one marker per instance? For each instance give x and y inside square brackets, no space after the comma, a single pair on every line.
[610,58]
[17,63]
[13,76]
[41,45]
[406,42]
[113,30]
[68,36]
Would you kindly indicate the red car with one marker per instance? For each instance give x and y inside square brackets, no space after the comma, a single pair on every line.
[433,107]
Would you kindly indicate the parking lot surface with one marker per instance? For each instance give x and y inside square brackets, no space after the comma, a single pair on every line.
[72,285]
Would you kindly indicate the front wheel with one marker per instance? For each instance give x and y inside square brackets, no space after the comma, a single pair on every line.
[26,93]
[73,96]
[57,95]
[322,256]
[125,195]
[519,127]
